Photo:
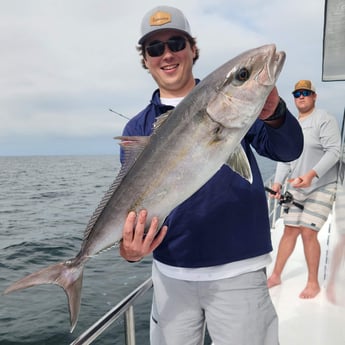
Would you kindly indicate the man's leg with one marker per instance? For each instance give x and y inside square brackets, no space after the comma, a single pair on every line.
[312,255]
[239,310]
[176,316]
[286,246]
[316,211]
[337,258]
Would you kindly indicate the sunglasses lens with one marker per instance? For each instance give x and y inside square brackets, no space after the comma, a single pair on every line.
[155,48]
[305,93]
[175,44]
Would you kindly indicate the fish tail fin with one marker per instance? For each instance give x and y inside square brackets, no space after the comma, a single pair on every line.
[65,274]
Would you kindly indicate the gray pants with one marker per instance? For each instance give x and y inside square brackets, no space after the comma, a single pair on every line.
[237,311]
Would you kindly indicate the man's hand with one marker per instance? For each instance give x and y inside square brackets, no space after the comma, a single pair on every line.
[303,181]
[270,105]
[277,188]
[135,243]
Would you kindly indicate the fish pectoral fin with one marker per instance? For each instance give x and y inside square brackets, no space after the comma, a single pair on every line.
[161,119]
[64,274]
[239,163]
[132,147]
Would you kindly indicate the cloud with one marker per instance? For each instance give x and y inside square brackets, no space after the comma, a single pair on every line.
[65,63]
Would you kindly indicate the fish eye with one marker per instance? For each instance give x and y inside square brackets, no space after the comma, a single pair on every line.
[235,77]
[242,74]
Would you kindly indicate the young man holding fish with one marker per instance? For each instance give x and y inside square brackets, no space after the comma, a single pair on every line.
[209,258]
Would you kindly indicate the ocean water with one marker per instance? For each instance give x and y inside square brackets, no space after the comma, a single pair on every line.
[45,205]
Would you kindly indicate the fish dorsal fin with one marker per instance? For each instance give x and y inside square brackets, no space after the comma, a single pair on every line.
[161,119]
[132,146]
[238,162]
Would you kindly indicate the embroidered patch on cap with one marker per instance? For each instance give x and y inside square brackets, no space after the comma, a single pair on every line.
[160,18]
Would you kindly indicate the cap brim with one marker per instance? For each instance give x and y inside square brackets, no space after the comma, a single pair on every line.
[302,88]
[145,37]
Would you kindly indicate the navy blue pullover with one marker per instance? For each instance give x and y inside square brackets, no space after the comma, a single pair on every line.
[226,220]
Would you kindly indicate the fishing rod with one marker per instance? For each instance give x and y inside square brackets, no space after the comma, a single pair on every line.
[115,112]
[286,198]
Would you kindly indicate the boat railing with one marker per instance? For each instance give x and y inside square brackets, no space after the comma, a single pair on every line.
[123,309]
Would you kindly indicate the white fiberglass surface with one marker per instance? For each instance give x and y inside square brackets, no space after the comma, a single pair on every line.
[320,320]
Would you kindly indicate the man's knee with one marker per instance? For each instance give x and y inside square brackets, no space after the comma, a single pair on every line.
[308,234]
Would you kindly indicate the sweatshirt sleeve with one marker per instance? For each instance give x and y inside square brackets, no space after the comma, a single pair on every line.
[283,144]
[330,141]
[282,172]
[286,142]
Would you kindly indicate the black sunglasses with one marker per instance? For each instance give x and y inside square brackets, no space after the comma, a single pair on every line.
[304,93]
[175,44]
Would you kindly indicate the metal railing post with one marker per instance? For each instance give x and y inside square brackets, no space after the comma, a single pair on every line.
[130,326]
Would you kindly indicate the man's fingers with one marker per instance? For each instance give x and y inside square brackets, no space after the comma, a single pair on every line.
[270,104]
[152,238]
[142,217]
[136,242]
[128,228]
[151,232]
[159,238]
[140,226]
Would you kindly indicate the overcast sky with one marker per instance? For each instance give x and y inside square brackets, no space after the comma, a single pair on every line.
[64,63]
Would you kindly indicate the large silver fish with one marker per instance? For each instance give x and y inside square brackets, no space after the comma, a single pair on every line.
[186,149]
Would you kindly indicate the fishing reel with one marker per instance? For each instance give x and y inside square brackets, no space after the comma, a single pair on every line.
[287,199]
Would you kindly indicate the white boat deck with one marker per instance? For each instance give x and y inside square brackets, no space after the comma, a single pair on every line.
[314,321]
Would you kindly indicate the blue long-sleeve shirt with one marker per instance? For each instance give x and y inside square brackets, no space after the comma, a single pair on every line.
[226,220]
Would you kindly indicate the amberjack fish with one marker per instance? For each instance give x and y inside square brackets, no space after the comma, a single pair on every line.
[186,149]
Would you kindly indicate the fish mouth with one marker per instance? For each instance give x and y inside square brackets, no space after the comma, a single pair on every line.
[273,66]
[276,62]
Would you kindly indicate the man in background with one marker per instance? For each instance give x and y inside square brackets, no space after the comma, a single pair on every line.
[312,178]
